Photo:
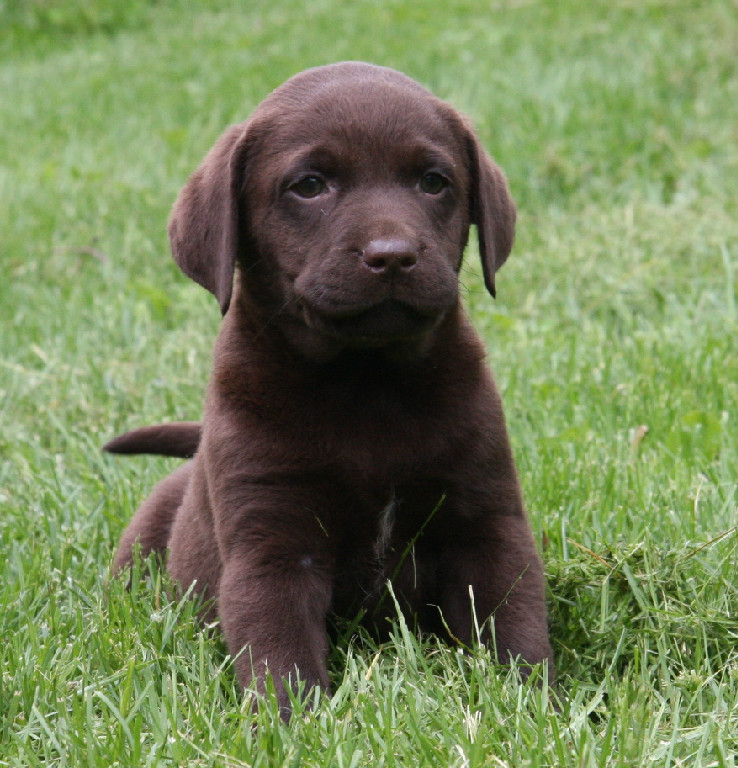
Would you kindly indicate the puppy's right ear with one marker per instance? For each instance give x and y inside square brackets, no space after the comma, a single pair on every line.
[203,226]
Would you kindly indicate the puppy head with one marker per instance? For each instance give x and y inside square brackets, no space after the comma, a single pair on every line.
[346,201]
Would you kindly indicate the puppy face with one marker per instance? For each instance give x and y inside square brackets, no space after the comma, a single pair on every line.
[346,202]
[359,216]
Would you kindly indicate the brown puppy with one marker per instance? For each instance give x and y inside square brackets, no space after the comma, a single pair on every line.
[352,432]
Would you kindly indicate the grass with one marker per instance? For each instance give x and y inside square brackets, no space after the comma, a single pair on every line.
[617,126]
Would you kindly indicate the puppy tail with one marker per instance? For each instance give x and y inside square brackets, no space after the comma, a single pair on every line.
[179,439]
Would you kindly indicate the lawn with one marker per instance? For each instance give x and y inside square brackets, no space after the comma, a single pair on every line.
[614,339]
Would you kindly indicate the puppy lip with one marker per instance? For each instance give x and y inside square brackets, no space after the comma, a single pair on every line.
[386,321]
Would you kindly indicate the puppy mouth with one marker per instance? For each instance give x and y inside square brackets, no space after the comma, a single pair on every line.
[383,323]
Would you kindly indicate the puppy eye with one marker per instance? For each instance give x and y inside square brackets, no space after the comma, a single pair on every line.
[308,186]
[433,183]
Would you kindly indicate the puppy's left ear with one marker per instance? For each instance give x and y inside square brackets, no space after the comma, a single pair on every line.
[492,209]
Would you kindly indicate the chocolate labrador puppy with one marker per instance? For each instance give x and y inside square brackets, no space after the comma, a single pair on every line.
[352,432]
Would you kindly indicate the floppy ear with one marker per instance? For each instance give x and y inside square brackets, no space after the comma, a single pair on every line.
[203,226]
[492,210]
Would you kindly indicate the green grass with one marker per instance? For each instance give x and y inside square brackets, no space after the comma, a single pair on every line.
[617,124]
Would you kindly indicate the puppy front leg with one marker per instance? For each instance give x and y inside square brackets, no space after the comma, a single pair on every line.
[495,571]
[273,613]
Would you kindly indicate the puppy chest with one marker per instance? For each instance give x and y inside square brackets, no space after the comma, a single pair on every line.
[393,545]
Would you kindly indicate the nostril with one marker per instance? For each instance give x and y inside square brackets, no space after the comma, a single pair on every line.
[375,262]
[390,256]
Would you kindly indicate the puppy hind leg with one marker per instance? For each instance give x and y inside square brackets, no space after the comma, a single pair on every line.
[152,523]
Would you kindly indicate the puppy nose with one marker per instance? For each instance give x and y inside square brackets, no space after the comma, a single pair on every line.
[390,257]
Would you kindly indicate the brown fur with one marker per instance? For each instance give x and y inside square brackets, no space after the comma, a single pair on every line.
[177,438]
[352,431]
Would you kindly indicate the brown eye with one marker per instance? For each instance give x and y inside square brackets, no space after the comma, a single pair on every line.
[308,186]
[433,183]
